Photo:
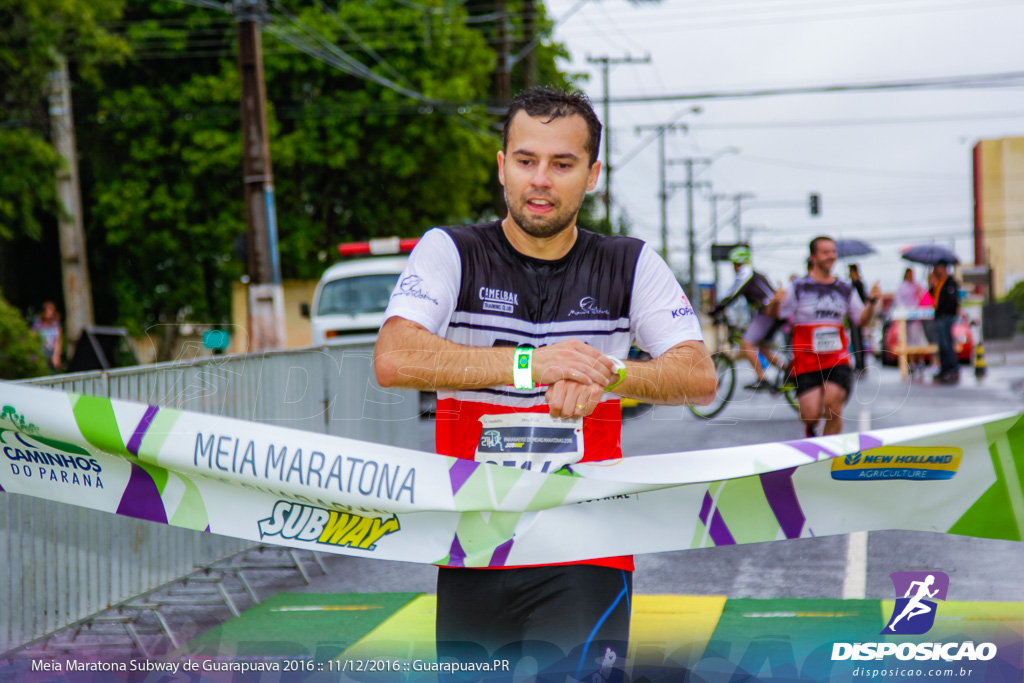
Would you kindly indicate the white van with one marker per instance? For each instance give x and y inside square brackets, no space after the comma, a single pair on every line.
[351,297]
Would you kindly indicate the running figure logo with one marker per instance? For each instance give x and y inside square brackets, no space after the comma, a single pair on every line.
[914,613]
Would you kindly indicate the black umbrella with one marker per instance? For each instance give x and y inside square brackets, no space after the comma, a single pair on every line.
[851,248]
[930,254]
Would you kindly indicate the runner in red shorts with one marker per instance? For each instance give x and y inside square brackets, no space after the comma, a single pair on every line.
[817,305]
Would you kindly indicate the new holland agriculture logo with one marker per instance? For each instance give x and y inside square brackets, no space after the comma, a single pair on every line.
[898,462]
[914,614]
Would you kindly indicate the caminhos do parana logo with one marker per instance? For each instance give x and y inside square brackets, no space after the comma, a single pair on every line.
[329,527]
[11,414]
[899,462]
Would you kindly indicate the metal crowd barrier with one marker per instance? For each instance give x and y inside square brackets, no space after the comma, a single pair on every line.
[60,564]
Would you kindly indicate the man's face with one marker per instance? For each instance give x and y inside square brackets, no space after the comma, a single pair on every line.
[546,172]
[824,256]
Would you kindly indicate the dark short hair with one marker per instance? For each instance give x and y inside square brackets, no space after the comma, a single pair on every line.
[854,268]
[819,238]
[554,103]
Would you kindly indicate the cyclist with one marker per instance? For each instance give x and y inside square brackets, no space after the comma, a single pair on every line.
[755,288]
[821,359]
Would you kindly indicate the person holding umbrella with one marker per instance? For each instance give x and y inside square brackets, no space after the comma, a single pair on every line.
[856,331]
[947,306]
[944,294]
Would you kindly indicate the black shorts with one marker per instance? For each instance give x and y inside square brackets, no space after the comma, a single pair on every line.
[840,375]
[572,619]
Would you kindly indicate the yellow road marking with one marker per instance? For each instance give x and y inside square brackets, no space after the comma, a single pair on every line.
[326,608]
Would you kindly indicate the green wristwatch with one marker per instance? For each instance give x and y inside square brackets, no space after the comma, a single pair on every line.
[620,368]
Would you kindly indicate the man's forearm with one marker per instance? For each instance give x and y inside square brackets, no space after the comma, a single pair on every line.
[684,375]
[867,315]
[417,359]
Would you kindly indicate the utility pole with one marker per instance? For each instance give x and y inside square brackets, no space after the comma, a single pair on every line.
[738,217]
[503,69]
[529,33]
[605,63]
[75,268]
[660,129]
[502,90]
[692,281]
[266,295]
[715,198]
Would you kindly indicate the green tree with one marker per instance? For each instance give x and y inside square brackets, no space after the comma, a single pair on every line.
[32,34]
[354,155]
[352,158]
[1016,296]
[21,349]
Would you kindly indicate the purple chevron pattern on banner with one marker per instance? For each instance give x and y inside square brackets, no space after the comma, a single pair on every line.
[141,498]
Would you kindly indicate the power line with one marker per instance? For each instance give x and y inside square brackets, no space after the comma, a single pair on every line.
[171,21]
[393,38]
[1015,78]
[337,57]
[359,41]
[807,123]
[847,170]
[686,17]
[606,63]
[845,13]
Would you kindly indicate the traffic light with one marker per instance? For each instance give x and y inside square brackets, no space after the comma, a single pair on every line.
[815,204]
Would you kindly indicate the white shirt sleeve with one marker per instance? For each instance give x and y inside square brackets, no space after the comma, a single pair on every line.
[660,314]
[428,289]
[788,306]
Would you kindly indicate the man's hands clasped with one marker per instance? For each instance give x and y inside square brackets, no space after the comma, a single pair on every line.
[576,375]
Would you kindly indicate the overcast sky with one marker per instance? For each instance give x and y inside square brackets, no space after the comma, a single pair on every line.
[892,168]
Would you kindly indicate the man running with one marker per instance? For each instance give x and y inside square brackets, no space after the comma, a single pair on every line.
[817,305]
[519,323]
[755,288]
[915,607]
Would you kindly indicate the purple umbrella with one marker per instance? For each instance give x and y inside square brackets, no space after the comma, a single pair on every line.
[851,248]
[930,254]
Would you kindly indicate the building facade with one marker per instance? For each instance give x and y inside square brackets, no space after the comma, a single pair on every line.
[999,211]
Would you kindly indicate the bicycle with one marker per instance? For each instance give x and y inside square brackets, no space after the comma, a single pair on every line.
[727,345]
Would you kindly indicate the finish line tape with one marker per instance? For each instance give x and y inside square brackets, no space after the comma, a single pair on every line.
[317,492]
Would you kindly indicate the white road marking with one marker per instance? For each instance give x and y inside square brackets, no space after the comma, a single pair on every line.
[855,582]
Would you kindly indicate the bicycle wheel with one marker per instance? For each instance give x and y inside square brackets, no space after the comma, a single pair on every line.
[726,371]
[786,385]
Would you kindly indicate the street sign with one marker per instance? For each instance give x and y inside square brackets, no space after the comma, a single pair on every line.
[720,252]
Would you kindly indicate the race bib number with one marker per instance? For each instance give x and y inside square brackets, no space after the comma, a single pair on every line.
[827,340]
[530,441]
